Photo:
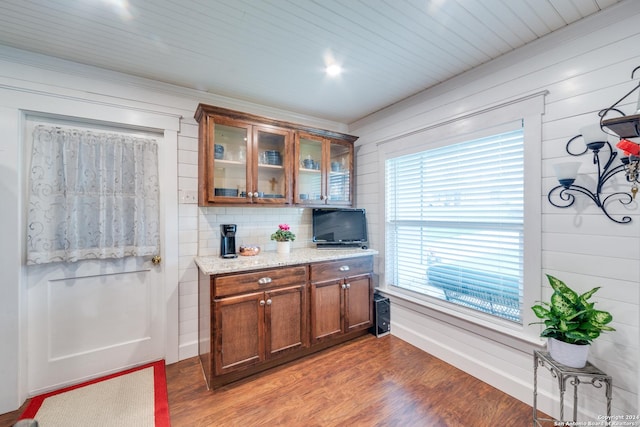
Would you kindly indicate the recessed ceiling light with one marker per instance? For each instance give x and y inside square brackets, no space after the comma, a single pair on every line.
[120,7]
[333,70]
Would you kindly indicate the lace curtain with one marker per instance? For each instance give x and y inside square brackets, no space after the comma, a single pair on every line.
[91,196]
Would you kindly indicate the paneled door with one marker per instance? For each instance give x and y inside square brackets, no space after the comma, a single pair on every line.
[90,318]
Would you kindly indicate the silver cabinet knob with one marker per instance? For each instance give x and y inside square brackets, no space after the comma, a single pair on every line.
[344,268]
[264,280]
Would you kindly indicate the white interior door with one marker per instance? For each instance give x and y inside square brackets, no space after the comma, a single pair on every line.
[90,318]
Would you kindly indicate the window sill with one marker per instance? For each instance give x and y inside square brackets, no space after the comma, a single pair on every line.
[514,335]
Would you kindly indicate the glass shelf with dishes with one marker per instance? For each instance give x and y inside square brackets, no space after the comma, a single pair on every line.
[249,163]
[323,173]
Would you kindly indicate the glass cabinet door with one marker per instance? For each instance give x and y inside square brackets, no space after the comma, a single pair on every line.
[310,163]
[271,178]
[244,159]
[339,173]
[229,161]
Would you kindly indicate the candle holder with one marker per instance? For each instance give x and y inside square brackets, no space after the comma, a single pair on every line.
[567,173]
[596,139]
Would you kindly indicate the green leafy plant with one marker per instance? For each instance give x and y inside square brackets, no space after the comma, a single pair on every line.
[284,234]
[570,317]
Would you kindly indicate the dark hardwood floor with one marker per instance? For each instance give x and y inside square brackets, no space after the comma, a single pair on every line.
[366,382]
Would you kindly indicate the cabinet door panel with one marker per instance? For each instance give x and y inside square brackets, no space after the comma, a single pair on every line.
[340,183]
[326,310]
[229,163]
[309,177]
[239,332]
[286,320]
[358,303]
[271,173]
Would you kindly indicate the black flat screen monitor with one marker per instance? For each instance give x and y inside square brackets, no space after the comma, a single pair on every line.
[339,227]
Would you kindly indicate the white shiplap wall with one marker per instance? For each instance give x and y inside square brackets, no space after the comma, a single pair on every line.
[584,68]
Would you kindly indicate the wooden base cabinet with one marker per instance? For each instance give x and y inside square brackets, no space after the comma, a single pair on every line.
[252,328]
[341,298]
[252,321]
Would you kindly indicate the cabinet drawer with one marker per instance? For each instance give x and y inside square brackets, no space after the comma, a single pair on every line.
[333,270]
[258,281]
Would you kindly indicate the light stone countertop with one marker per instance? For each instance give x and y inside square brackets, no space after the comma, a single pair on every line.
[211,265]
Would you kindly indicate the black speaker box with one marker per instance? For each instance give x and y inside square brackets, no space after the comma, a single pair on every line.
[382,315]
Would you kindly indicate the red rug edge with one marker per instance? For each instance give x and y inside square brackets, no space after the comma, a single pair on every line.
[161,397]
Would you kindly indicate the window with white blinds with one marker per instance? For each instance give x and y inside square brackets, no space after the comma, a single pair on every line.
[455,223]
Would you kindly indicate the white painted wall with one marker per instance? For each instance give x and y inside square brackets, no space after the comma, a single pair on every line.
[585,68]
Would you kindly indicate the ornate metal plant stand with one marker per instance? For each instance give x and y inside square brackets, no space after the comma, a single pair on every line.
[576,376]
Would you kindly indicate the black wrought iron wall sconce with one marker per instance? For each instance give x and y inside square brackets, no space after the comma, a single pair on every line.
[595,139]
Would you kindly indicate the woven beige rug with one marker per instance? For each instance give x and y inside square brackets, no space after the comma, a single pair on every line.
[123,400]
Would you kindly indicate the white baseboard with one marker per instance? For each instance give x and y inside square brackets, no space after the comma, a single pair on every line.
[188,350]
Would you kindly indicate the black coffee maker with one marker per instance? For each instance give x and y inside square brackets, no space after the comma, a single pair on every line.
[228,241]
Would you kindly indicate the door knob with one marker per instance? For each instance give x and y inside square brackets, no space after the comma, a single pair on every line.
[156,260]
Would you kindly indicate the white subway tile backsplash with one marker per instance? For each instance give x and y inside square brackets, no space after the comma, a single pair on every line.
[255,226]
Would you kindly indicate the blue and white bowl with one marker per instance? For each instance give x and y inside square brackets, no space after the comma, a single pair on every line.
[218,151]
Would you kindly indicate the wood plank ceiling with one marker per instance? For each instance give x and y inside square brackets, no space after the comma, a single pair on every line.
[273,52]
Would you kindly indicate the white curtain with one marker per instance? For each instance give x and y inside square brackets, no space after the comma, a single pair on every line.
[92,195]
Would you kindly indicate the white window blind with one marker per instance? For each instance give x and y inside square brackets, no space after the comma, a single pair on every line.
[455,223]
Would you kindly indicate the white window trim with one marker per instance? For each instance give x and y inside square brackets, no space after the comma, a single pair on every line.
[528,108]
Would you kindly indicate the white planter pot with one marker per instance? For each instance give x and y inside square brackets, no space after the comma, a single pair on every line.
[572,355]
[284,248]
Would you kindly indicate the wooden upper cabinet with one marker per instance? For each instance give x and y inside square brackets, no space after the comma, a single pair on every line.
[244,163]
[247,159]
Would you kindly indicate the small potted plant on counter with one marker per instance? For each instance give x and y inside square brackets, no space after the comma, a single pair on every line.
[572,323]
[284,236]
